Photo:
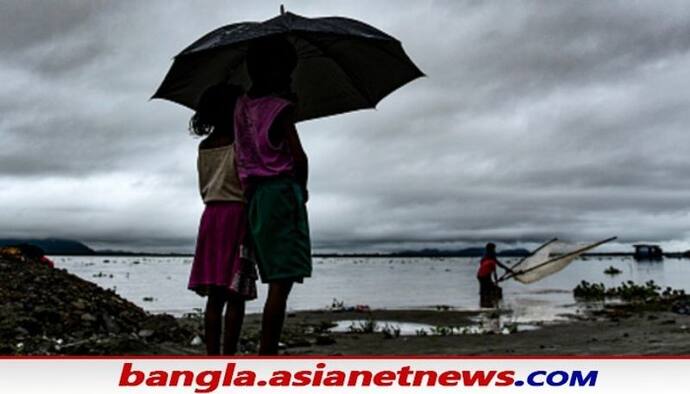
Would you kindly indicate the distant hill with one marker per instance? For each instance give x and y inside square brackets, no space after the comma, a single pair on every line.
[113,252]
[467,252]
[52,245]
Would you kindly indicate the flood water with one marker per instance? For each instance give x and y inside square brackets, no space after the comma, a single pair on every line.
[158,284]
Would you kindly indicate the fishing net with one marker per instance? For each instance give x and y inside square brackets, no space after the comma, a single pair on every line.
[548,259]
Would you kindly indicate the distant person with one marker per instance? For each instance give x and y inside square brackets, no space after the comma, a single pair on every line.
[273,169]
[45,260]
[489,291]
[220,270]
[34,253]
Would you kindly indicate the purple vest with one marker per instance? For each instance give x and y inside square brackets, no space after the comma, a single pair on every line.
[255,156]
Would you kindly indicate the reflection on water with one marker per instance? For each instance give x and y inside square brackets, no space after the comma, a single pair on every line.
[379,283]
[484,324]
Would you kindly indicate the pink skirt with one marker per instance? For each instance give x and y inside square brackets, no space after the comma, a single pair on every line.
[221,258]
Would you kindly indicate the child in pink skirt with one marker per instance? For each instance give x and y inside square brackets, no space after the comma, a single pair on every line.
[221,270]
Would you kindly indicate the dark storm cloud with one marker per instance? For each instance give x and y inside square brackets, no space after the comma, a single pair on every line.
[537,119]
[28,23]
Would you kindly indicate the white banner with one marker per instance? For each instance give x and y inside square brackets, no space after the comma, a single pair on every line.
[344,375]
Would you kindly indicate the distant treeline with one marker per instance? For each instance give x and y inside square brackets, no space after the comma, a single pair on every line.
[467,252]
[67,247]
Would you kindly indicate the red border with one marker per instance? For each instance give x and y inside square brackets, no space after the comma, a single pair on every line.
[352,357]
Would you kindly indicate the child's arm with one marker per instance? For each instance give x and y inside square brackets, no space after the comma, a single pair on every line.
[299,157]
[285,126]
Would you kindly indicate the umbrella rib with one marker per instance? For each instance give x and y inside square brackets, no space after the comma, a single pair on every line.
[345,72]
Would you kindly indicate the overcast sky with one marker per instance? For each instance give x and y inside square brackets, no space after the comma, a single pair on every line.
[537,119]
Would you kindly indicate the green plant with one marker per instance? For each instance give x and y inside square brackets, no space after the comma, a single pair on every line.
[627,291]
[442,330]
[390,331]
[363,327]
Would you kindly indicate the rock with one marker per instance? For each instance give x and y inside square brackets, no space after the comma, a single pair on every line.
[167,328]
[88,317]
[30,324]
[79,304]
[248,346]
[47,315]
[110,324]
[324,340]
[21,331]
[197,341]
[297,342]
[145,333]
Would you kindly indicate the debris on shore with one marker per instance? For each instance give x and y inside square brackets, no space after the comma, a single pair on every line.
[49,311]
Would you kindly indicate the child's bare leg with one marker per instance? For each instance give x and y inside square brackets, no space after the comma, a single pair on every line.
[234,315]
[274,316]
[213,320]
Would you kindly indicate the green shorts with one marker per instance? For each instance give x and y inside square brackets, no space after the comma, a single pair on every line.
[280,230]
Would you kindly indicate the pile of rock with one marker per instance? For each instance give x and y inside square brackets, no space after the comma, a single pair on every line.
[49,311]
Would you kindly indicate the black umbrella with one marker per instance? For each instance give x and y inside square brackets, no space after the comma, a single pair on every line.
[344,64]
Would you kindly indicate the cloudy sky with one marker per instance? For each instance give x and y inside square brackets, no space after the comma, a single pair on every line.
[537,119]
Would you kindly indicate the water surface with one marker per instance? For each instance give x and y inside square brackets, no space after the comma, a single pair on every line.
[158,284]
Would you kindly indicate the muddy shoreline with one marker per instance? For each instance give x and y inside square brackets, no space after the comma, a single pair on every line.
[614,332]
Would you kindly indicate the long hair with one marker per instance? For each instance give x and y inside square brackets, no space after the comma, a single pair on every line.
[215,109]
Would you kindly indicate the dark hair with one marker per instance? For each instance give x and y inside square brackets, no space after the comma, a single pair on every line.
[271,60]
[214,109]
[491,249]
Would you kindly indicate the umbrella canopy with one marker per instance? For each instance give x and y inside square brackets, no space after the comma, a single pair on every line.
[344,65]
